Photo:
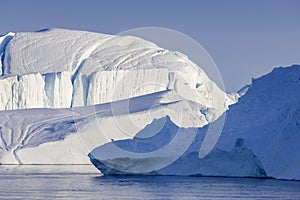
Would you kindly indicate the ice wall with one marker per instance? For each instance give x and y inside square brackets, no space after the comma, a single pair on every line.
[36,91]
[56,90]
[108,86]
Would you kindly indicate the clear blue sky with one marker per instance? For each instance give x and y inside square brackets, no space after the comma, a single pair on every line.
[245,38]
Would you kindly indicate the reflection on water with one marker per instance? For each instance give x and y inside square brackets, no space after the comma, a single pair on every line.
[84,182]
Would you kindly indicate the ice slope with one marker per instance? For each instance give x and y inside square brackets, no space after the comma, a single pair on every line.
[77,68]
[65,136]
[260,138]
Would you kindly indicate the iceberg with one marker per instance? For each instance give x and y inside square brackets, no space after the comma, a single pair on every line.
[260,138]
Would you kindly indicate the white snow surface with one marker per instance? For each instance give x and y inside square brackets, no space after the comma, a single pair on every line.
[260,138]
[66,136]
[57,68]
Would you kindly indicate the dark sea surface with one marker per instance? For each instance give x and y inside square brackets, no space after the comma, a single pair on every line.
[85,182]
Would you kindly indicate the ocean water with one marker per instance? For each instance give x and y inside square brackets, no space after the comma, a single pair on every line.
[85,182]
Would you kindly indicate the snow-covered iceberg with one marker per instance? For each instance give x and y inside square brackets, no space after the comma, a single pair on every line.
[260,138]
[62,91]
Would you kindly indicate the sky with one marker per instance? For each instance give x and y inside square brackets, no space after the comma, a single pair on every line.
[245,39]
